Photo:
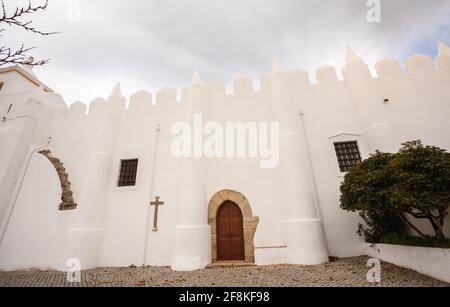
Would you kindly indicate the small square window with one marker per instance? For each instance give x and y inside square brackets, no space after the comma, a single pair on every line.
[128,171]
[1,85]
[348,155]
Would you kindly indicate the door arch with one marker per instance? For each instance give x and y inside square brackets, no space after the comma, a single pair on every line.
[230,233]
[250,222]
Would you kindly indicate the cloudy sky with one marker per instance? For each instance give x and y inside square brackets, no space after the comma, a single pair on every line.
[149,44]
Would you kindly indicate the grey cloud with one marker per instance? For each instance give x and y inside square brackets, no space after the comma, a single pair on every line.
[152,43]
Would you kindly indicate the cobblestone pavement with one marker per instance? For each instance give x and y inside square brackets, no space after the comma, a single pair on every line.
[341,273]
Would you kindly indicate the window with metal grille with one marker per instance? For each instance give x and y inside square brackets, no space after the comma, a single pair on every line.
[128,171]
[348,155]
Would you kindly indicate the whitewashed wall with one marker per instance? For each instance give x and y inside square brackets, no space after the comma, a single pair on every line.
[37,232]
[434,262]
[15,83]
[333,110]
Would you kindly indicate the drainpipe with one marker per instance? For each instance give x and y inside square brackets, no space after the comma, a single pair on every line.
[147,225]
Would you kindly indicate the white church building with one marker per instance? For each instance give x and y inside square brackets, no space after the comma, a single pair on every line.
[101,183]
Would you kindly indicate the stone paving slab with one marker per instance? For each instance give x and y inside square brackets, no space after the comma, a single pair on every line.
[349,272]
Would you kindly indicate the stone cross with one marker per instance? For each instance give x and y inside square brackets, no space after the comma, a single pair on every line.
[156,203]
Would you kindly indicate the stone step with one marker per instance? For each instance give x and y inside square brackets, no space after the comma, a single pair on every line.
[228,264]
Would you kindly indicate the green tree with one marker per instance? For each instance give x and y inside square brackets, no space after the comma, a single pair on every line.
[389,189]
[422,184]
[365,190]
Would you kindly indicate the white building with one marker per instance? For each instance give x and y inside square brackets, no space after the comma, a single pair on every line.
[78,184]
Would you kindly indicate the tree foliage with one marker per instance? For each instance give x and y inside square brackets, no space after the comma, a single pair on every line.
[422,184]
[365,189]
[388,189]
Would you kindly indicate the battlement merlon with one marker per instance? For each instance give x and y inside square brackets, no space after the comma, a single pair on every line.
[355,70]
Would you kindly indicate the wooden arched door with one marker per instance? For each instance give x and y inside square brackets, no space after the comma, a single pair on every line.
[230,233]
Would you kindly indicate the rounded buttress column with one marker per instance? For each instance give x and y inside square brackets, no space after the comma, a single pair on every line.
[85,238]
[192,250]
[304,230]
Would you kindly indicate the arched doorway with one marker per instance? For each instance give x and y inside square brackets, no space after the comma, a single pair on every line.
[249,222]
[230,233]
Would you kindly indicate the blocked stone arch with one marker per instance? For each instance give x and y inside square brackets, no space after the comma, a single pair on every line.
[250,222]
[67,201]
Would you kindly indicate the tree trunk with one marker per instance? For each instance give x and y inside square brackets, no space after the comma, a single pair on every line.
[405,219]
[443,213]
[437,230]
[438,222]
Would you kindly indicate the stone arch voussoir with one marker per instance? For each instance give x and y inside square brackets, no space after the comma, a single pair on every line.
[67,201]
[250,222]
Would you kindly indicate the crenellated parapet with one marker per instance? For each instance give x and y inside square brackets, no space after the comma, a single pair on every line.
[300,78]
[217,88]
[97,107]
[140,101]
[355,70]
[443,59]
[167,95]
[389,69]
[326,75]
[243,85]
[77,109]
[419,63]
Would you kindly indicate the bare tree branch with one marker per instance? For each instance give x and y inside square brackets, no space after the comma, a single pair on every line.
[7,56]
[15,19]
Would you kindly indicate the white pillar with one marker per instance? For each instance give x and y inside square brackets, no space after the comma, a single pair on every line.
[97,179]
[305,235]
[86,236]
[192,248]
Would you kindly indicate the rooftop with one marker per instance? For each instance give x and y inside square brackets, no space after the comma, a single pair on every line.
[26,74]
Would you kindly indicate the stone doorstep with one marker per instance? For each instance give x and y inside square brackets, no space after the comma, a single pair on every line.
[228,264]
